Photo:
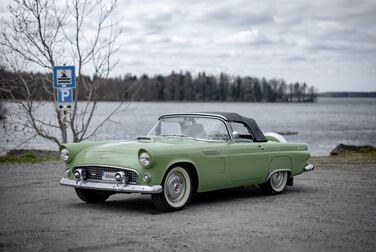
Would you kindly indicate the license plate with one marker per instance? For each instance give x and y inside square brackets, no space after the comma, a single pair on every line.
[108,176]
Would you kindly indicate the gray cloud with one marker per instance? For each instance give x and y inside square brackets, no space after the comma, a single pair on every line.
[329,44]
[232,15]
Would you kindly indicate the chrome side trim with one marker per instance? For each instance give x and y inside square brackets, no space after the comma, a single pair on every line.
[118,188]
[209,152]
[308,167]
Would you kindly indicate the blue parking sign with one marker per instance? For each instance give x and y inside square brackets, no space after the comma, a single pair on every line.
[64,95]
[64,77]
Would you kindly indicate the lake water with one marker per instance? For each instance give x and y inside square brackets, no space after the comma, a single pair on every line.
[321,125]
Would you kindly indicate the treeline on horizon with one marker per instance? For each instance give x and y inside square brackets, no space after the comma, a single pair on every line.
[173,87]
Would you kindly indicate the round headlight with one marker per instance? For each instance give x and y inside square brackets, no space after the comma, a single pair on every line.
[144,159]
[64,155]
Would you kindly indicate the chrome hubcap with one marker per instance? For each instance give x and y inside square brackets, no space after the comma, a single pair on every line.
[277,179]
[175,186]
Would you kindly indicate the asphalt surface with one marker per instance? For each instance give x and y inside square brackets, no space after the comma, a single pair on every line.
[330,209]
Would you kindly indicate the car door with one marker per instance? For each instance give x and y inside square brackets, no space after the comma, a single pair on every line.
[246,161]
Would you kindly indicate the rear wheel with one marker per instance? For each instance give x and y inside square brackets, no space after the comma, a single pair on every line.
[92,196]
[177,190]
[276,183]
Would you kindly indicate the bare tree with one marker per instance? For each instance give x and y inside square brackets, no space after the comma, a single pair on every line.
[45,33]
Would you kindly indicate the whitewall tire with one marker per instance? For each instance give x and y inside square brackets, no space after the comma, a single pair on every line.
[276,183]
[177,190]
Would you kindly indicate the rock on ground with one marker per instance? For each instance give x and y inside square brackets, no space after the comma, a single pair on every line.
[343,149]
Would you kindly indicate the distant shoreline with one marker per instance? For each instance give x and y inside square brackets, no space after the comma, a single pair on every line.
[319,95]
[347,94]
[191,101]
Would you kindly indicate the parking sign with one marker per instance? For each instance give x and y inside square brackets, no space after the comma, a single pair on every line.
[64,77]
[64,98]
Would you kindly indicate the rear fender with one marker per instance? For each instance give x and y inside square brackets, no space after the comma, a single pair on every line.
[281,163]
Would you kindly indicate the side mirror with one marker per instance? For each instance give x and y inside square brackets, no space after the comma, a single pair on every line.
[235,134]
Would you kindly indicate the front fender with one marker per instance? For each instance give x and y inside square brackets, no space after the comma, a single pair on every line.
[76,148]
[157,171]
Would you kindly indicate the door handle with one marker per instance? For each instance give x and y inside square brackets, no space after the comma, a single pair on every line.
[260,147]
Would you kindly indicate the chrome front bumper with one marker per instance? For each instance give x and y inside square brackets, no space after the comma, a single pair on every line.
[119,188]
[309,167]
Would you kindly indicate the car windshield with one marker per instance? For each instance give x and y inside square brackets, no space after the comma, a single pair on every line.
[191,126]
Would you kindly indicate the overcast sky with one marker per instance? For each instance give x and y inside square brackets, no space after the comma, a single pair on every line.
[328,44]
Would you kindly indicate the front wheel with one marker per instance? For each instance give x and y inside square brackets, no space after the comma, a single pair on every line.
[276,183]
[92,196]
[177,190]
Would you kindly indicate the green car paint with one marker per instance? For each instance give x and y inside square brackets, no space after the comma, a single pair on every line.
[218,164]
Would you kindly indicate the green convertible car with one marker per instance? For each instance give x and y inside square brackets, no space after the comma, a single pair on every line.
[184,154]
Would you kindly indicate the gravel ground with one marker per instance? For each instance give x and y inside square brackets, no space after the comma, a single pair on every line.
[330,209]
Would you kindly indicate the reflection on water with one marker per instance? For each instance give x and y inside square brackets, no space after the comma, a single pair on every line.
[322,125]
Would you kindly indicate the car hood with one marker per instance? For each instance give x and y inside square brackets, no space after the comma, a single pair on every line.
[130,147]
[125,153]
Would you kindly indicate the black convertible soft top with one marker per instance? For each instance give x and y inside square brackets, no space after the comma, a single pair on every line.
[234,117]
[249,122]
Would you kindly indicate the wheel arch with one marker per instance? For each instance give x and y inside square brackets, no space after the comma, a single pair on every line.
[191,169]
[280,163]
[289,173]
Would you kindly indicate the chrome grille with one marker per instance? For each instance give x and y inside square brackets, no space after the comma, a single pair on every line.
[95,172]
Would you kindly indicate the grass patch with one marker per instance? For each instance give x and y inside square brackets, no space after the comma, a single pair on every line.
[366,155]
[24,156]
[353,152]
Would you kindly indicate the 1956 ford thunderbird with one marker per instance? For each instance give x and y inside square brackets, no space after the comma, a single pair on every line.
[184,154]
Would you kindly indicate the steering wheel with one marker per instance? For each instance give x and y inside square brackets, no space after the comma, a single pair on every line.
[215,135]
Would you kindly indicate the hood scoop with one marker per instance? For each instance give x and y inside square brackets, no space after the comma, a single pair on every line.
[144,139]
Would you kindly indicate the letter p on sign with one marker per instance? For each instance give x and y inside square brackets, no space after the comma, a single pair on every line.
[64,95]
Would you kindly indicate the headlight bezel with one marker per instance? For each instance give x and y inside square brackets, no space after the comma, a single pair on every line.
[64,155]
[144,159]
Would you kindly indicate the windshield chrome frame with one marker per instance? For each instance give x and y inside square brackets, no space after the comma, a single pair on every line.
[218,117]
